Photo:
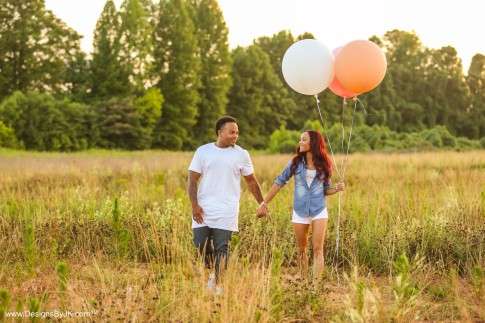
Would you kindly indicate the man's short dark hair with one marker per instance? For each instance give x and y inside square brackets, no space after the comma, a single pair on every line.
[222,121]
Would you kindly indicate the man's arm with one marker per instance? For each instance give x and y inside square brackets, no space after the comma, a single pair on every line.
[197,212]
[254,187]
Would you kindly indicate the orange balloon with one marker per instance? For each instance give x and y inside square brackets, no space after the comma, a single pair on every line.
[360,66]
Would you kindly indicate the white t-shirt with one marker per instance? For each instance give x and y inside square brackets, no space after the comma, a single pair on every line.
[310,175]
[220,184]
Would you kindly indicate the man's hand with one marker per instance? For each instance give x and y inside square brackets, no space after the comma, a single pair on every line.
[198,214]
[262,210]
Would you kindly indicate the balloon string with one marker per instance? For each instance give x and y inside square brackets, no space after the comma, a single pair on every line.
[344,163]
[337,240]
[344,104]
[357,102]
[328,137]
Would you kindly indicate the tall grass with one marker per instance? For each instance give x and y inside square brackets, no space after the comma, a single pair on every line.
[121,223]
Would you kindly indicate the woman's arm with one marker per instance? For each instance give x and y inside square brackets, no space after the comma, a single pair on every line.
[279,182]
[269,196]
[340,187]
[272,193]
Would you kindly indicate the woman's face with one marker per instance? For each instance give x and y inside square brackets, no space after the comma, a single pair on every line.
[304,142]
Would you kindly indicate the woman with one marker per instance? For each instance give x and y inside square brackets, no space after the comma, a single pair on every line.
[312,170]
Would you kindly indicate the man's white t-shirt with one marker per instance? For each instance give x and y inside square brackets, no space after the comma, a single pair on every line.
[220,184]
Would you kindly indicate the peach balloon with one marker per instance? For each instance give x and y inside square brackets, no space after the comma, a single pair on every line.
[335,86]
[360,66]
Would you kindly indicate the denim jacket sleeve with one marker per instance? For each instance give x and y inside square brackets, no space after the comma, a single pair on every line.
[284,177]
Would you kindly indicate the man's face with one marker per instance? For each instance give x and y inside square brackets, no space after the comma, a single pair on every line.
[229,133]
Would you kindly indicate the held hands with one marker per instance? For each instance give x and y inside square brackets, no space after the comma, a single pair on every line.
[262,210]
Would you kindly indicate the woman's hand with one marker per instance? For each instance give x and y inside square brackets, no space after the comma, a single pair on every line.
[339,187]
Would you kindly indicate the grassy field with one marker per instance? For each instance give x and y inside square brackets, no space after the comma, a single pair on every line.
[108,233]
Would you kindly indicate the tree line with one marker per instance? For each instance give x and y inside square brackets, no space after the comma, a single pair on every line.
[161,73]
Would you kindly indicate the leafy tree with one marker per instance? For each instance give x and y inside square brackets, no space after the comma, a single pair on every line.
[36,48]
[136,44]
[176,69]
[215,73]
[109,76]
[256,96]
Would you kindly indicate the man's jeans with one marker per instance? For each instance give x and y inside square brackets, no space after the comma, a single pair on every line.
[213,244]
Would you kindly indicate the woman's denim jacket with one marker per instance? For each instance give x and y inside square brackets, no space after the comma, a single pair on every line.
[307,201]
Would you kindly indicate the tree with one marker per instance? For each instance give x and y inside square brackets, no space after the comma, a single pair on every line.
[256,96]
[109,77]
[43,123]
[120,125]
[36,48]
[406,57]
[447,91]
[476,84]
[149,109]
[176,68]
[7,137]
[215,73]
[136,44]
[78,78]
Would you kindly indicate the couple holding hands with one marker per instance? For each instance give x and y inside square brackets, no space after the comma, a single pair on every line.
[214,189]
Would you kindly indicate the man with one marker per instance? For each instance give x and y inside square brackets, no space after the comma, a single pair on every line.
[215,202]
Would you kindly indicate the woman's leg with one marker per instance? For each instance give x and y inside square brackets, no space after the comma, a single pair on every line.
[301,234]
[319,228]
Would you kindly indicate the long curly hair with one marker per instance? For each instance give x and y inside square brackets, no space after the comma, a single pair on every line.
[321,158]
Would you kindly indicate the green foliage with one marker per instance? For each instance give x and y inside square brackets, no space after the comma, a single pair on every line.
[255,98]
[176,68]
[215,72]
[376,138]
[7,137]
[122,235]
[478,281]
[4,302]
[276,290]
[283,141]
[181,48]
[136,43]
[41,122]
[120,125]
[62,271]
[149,110]
[404,287]
[109,75]
[482,142]
[29,245]
[36,48]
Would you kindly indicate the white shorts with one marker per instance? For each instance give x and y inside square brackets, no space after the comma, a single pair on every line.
[295,218]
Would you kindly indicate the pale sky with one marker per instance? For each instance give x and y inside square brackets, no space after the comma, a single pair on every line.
[460,24]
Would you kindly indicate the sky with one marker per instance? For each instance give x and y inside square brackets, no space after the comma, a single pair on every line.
[460,24]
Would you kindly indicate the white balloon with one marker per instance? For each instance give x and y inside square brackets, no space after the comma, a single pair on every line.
[308,66]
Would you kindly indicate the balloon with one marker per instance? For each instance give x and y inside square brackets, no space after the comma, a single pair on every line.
[308,66]
[360,66]
[336,87]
